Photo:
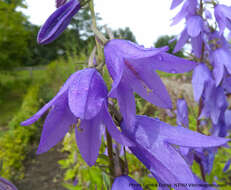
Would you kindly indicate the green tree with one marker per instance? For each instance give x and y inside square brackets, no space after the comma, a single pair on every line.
[13,45]
[125,33]
[164,41]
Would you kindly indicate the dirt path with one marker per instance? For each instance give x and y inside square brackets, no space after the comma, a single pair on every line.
[43,172]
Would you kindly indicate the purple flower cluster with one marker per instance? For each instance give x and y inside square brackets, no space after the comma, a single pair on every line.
[211,77]
[165,150]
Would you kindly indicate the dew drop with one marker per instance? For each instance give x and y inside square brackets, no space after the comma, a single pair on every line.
[173,71]
[160,58]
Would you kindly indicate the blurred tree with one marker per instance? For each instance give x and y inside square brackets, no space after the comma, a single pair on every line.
[125,33]
[166,41]
[13,45]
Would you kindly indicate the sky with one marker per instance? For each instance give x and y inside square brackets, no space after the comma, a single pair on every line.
[147,19]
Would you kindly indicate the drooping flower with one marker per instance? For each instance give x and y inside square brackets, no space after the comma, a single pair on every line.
[193,30]
[221,60]
[182,113]
[6,185]
[82,99]
[125,183]
[215,103]
[223,16]
[188,9]
[133,69]
[201,78]
[155,143]
[58,21]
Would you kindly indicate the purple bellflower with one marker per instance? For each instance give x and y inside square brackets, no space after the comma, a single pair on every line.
[82,100]
[206,156]
[133,69]
[182,113]
[214,99]
[125,183]
[58,21]
[223,16]
[193,30]
[215,103]
[220,58]
[187,10]
[6,185]
[201,78]
[194,26]
[155,143]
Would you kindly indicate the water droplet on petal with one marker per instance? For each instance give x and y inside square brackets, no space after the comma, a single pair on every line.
[173,71]
[160,58]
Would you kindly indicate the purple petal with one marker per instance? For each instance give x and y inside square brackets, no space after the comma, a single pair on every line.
[228,118]
[57,98]
[201,75]
[161,158]
[56,125]
[59,3]
[197,45]
[128,49]
[222,14]
[182,41]
[189,8]
[227,165]
[112,129]
[88,138]
[6,185]
[164,162]
[57,22]
[208,14]
[187,138]
[86,94]
[117,50]
[147,84]
[125,183]
[181,136]
[182,113]
[170,63]
[127,104]
[175,3]
[194,26]
[218,70]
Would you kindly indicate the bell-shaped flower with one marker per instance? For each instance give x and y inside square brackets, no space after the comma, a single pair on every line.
[182,113]
[221,60]
[82,99]
[126,183]
[200,80]
[58,21]
[194,28]
[155,146]
[188,9]
[214,103]
[223,17]
[133,69]
[6,185]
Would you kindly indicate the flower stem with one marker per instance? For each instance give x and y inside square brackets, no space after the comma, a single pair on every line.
[110,155]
